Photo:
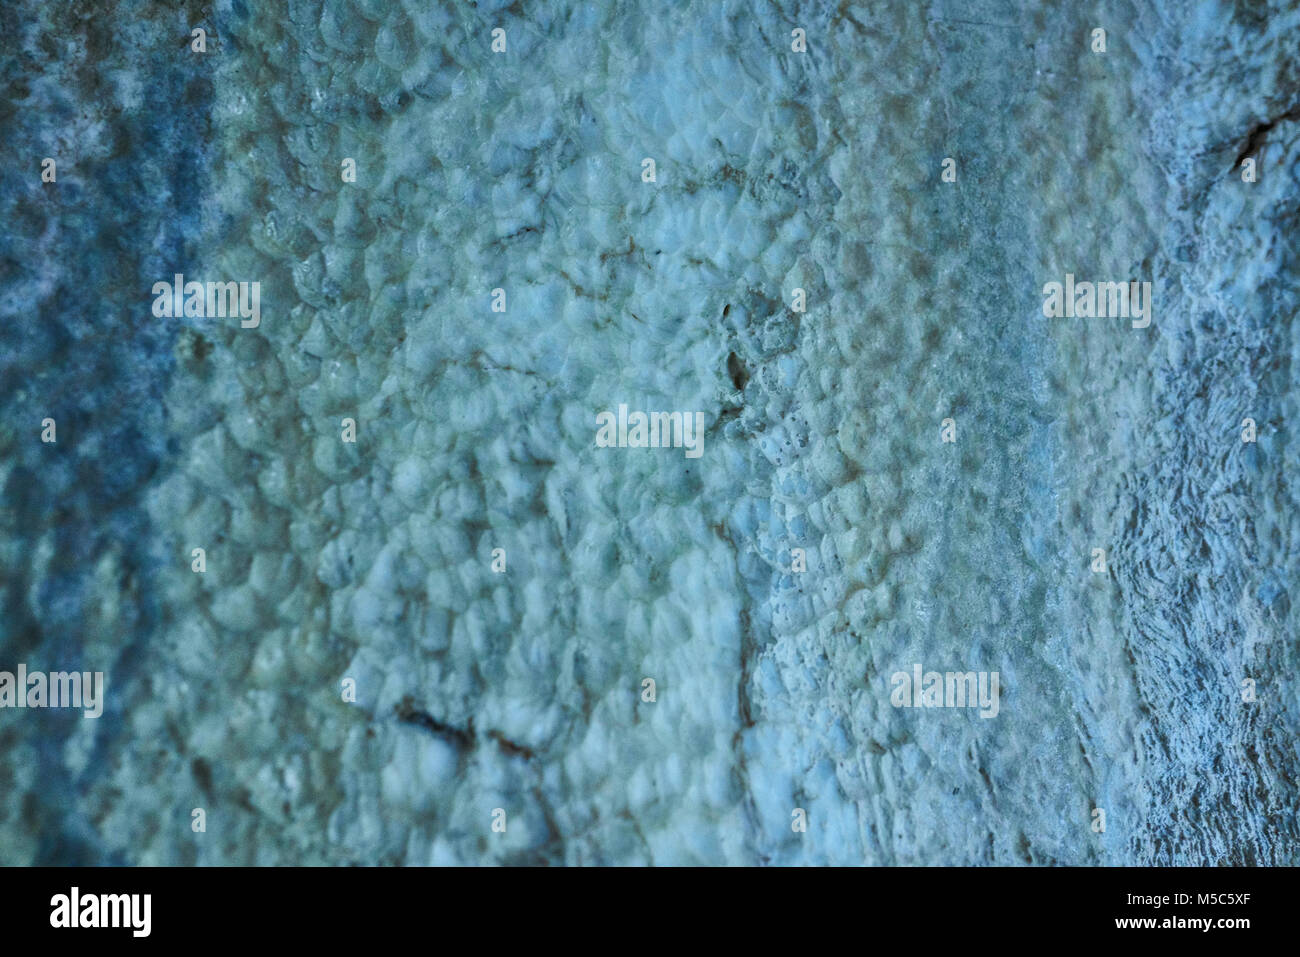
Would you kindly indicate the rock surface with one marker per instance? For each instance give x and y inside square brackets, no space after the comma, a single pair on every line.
[521,690]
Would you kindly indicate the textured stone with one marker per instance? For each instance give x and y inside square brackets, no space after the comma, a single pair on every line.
[475,431]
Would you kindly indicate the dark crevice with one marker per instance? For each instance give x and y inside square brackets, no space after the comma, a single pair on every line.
[736,369]
[511,747]
[463,738]
[408,713]
[1255,138]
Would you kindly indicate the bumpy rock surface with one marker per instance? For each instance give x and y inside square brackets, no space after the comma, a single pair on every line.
[521,690]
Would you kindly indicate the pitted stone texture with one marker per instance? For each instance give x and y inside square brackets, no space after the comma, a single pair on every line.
[775,170]
[476,428]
